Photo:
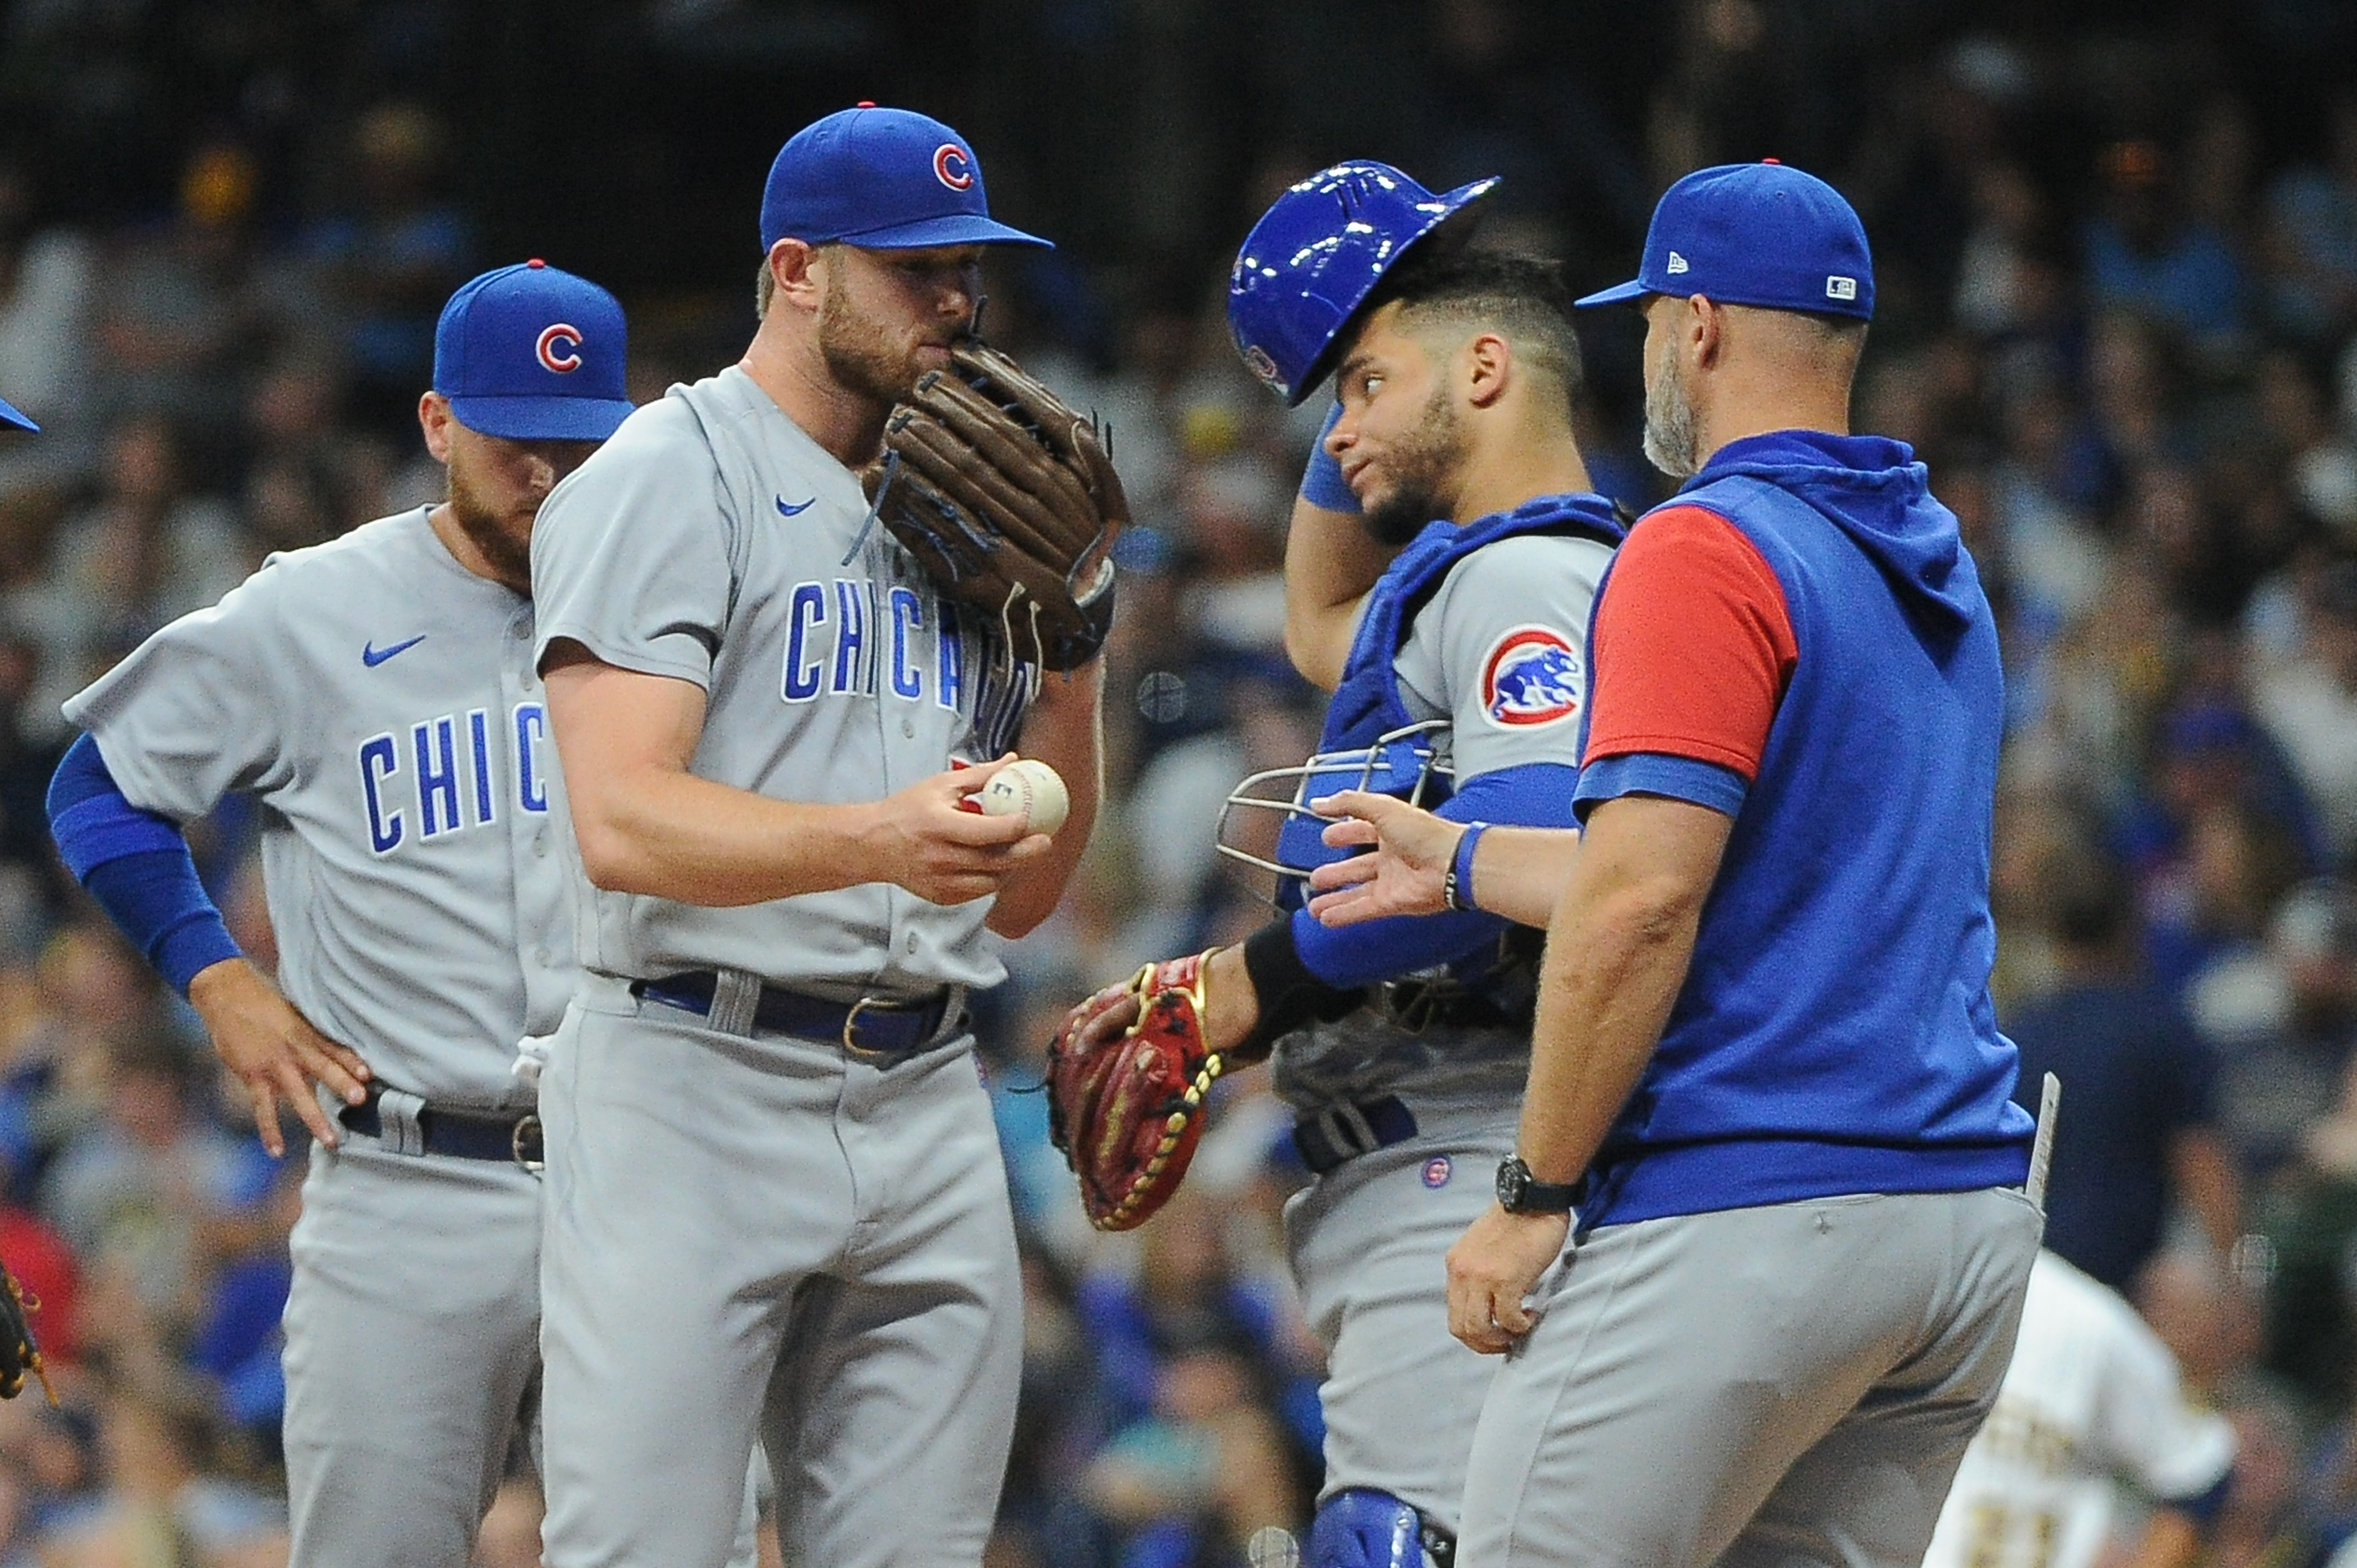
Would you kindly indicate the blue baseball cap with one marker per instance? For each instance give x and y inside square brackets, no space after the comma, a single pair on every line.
[9,415]
[1314,257]
[1758,234]
[883,179]
[534,353]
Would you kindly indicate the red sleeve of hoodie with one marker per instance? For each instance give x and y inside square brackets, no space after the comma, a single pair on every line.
[1693,645]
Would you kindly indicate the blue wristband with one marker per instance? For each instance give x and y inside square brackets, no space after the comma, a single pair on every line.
[1321,481]
[1456,888]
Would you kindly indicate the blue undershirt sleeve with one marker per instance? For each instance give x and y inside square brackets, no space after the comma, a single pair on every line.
[1321,481]
[1722,789]
[1530,795]
[137,865]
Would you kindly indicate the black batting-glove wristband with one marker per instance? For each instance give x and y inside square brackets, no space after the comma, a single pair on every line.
[1289,995]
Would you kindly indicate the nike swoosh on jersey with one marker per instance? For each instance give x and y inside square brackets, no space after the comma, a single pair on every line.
[785,511]
[373,656]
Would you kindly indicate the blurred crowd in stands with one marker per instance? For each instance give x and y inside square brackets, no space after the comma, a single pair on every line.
[2118,269]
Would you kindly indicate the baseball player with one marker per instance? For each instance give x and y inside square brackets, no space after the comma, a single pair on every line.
[1765,1062]
[2092,1398]
[777,1201]
[377,694]
[1402,1046]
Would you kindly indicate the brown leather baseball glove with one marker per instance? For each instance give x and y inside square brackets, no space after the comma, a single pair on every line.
[20,1353]
[1128,1075]
[1007,496]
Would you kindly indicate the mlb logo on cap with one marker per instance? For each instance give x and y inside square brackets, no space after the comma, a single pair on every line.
[1759,234]
[534,353]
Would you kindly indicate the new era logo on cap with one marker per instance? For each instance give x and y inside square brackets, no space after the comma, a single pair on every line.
[1761,234]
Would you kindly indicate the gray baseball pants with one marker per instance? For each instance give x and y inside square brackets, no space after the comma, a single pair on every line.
[1368,1242]
[412,1342]
[1758,1388]
[768,1236]
[413,1356]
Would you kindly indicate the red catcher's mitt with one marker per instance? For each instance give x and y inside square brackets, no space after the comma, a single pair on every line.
[1127,1079]
[20,1353]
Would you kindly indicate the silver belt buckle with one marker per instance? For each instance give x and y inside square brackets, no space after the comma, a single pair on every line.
[851,1028]
[515,1144]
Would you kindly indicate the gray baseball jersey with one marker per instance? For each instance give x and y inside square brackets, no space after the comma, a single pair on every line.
[832,672]
[1525,591]
[380,700]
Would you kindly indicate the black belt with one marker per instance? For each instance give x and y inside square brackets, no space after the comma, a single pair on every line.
[503,1136]
[867,1027]
[1340,1133]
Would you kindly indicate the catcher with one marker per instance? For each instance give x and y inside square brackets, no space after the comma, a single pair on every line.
[1438,571]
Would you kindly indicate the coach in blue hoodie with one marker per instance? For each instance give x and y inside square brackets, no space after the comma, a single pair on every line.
[1765,1064]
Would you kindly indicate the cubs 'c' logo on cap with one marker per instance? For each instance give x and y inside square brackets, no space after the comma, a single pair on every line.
[1532,677]
[559,348]
[1257,361]
[952,168]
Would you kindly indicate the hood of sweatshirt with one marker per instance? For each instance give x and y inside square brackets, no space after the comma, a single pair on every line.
[1877,493]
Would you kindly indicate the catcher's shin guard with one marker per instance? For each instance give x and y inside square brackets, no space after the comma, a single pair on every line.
[1363,1527]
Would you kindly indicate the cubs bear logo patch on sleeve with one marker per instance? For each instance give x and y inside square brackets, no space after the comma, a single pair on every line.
[1532,676]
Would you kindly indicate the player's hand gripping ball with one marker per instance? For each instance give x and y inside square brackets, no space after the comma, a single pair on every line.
[1127,1076]
[1028,789]
[1006,497]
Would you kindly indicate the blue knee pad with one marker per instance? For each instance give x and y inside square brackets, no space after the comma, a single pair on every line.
[1361,1528]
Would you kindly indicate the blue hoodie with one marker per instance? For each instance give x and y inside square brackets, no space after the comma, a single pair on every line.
[1835,1033]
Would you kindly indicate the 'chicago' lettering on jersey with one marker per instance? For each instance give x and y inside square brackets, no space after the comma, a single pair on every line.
[854,636]
[438,776]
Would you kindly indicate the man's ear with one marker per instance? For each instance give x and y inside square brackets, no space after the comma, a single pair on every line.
[1488,367]
[435,418]
[1705,330]
[799,273]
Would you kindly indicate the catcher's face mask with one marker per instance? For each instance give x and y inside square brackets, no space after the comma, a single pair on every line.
[1266,824]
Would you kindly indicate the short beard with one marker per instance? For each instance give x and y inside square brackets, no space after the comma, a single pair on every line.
[1424,467]
[857,355]
[1671,433]
[509,557]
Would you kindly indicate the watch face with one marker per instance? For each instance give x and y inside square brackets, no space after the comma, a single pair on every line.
[1512,1178]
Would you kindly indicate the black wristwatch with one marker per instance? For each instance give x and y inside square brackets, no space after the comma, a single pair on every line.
[1518,1194]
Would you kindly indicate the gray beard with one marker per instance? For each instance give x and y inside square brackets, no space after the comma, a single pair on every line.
[1671,436]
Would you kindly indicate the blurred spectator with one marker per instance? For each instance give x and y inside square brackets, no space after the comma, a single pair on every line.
[2146,253]
[2261,1525]
[138,1190]
[2284,1020]
[48,282]
[147,551]
[394,257]
[2139,1134]
[2311,232]
[160,1509]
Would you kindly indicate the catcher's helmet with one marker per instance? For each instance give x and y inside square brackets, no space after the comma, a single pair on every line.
[1407,763]
[1314,256]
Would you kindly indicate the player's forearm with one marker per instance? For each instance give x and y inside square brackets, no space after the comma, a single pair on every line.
[1520,873]
[1064,729]
[670,834]
[1329,564]
[1616,954]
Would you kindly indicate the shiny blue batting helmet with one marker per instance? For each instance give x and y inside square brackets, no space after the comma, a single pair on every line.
[1314,256]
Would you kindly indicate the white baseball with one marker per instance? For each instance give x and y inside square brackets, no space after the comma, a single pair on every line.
[1031,787]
